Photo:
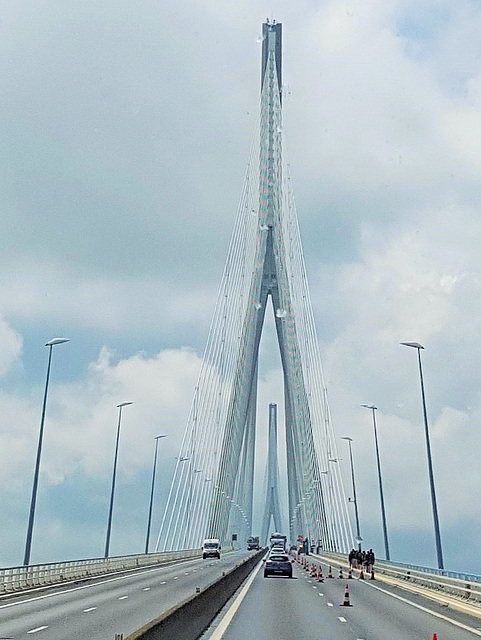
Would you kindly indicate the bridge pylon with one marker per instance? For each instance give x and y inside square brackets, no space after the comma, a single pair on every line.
[272,505]
[265,267]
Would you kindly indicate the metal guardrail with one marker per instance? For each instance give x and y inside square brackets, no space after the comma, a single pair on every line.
[15,579]
[466,587]
[458,575]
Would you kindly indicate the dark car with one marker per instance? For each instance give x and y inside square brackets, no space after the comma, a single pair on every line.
[278,565]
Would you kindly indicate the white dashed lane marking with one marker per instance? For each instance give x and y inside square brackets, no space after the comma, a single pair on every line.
[341,619]
[329,604]
[164,582]
[123,597]
[90,609]
[45,626]
[146,589]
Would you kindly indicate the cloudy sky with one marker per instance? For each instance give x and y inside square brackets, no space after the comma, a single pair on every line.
[125,130]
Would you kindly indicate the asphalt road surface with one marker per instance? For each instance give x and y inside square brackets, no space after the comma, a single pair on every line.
[264,608]
[304,609]
[99,609]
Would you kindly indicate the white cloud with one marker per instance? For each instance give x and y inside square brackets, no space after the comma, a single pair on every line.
[125,144]
[81,418]
[10,346]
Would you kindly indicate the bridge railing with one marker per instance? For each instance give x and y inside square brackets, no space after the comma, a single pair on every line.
[464,586]
[13,579]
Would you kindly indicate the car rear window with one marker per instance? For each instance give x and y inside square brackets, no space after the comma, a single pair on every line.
[279,558]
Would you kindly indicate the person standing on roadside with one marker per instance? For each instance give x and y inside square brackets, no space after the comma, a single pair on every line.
[351,557]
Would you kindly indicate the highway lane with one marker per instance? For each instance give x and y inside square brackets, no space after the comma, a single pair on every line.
[109,605]
[303,609]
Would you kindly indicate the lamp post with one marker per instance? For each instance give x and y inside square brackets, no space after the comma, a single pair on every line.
[437,534]
[114,473]
[381,494]
[31,518]
[192,473]
[358,529]
[149,519]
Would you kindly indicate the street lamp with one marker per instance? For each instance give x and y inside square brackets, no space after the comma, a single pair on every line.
[437,534]
[358,529]
[114,473]
[31,518]
[149,520]
[381,494]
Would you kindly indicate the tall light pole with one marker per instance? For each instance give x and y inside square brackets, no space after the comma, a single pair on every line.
[381,494]
[358,528]
[149,520]
[114,473]
[31,518]
[437,534]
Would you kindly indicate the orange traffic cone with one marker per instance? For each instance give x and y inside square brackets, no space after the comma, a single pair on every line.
[372,574]
[361,575]
[349,575]
[341,577]
[319,574]
[435,636]
[329,575]
[346,602]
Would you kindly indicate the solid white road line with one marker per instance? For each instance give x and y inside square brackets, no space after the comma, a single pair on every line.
[90,609]
[45,626]
[227,619]
[476,632]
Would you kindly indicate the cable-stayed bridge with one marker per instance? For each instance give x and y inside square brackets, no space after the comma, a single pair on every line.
[212,492]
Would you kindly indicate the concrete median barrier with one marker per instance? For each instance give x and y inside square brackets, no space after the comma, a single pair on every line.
[188,619]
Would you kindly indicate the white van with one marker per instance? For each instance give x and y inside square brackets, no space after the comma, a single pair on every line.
[211,548]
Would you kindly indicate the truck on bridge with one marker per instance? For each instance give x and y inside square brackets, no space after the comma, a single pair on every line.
[278,540]
[253,543]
